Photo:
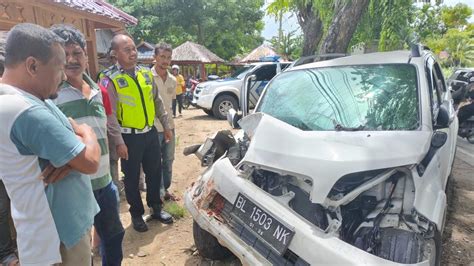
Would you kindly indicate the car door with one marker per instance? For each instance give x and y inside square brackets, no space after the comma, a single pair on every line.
[440,164]
[448,150]
[263,75]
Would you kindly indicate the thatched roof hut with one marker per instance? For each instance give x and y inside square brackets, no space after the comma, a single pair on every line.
[259,52]
[189,52]
[196,56]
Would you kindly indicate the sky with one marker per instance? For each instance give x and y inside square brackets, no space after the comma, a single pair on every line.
[291,23]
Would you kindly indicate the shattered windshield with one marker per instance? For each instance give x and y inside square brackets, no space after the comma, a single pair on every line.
[347,98]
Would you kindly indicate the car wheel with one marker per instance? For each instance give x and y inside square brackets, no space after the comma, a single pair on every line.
[470,138]
[208,112]
[186,104]
[222,105]
[207,244]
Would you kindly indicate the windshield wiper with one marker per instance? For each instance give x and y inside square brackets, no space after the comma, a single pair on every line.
[339,127]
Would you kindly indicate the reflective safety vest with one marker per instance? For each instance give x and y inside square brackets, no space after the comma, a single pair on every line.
[135,103]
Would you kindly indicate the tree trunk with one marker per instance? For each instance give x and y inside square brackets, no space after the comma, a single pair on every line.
[343,26]
[311,26]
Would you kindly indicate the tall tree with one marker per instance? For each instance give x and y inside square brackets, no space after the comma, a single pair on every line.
[343,26]
[311,25]
[308,18]
[319,16]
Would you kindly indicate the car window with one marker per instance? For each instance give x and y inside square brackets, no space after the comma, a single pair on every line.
[368,97]
[240,73]
[441,84]
[284,66]
[266,72]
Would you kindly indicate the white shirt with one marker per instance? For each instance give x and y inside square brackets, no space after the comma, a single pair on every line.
[167,91]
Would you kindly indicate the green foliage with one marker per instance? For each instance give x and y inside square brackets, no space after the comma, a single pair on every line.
[174,209]
[289,46]
[388,23]
[225,27]
[458,44]
[446,29]
[457,16]
[428,23]
[395,31]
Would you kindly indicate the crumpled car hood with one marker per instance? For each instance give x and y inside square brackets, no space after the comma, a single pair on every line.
[326,156]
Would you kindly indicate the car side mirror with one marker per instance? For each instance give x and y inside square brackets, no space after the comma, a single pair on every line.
[438,139]
[233,117]
[442,120]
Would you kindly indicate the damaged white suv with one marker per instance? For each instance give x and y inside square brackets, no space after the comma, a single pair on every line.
[342,162]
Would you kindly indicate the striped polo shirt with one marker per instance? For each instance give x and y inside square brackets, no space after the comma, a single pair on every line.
[91,111]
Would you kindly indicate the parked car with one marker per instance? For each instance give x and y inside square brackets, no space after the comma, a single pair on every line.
[218,96]
[342,162]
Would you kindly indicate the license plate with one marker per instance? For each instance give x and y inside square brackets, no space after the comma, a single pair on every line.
[263,224]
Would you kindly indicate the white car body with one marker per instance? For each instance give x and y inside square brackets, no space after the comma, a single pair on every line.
[207,93]
[315,161]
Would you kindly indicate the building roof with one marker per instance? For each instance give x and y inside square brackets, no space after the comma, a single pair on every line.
[193,52]
[259,52]
[146,52]
[101,8]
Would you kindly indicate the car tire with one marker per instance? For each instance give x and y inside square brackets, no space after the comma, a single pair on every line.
[222,105]
[186,104]
[470,138]
[208,246]
[208,112]
[394,243]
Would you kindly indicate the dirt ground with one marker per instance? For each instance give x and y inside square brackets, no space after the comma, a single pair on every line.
[173,244]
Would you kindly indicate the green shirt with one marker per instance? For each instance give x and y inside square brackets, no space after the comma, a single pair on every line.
[91,111]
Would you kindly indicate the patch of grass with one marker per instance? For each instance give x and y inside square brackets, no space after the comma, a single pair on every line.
[176,210]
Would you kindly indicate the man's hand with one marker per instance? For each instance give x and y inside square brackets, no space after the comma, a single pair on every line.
[122,151]
[82,130]
[52,174]
[168,135]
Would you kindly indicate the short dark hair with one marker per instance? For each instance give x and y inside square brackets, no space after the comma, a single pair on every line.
[69,34]
[164,47]
[114,42]
[25,40]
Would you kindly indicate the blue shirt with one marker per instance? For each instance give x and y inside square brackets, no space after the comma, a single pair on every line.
[44,131]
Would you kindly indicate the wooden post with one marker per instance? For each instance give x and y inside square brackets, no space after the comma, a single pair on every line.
[92,50]
[203,72]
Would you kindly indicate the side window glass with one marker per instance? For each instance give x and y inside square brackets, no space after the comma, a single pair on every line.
[284,66]
[435,97]
[266,73]
[439,79]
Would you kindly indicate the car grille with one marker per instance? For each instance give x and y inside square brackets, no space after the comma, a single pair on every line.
[289,258]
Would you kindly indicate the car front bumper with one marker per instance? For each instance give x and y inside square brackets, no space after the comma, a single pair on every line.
[309,246]
[203,101]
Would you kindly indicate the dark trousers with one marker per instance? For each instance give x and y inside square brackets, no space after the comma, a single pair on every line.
[179,99]
[6,242]
[143,149]
[108,225]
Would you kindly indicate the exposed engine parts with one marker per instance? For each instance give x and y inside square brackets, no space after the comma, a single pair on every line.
[379,220]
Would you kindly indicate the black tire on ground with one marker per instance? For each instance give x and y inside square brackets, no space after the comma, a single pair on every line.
[208,112]
[208,246]
[470,138]
[186,104]
[222,105]
[394,243]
